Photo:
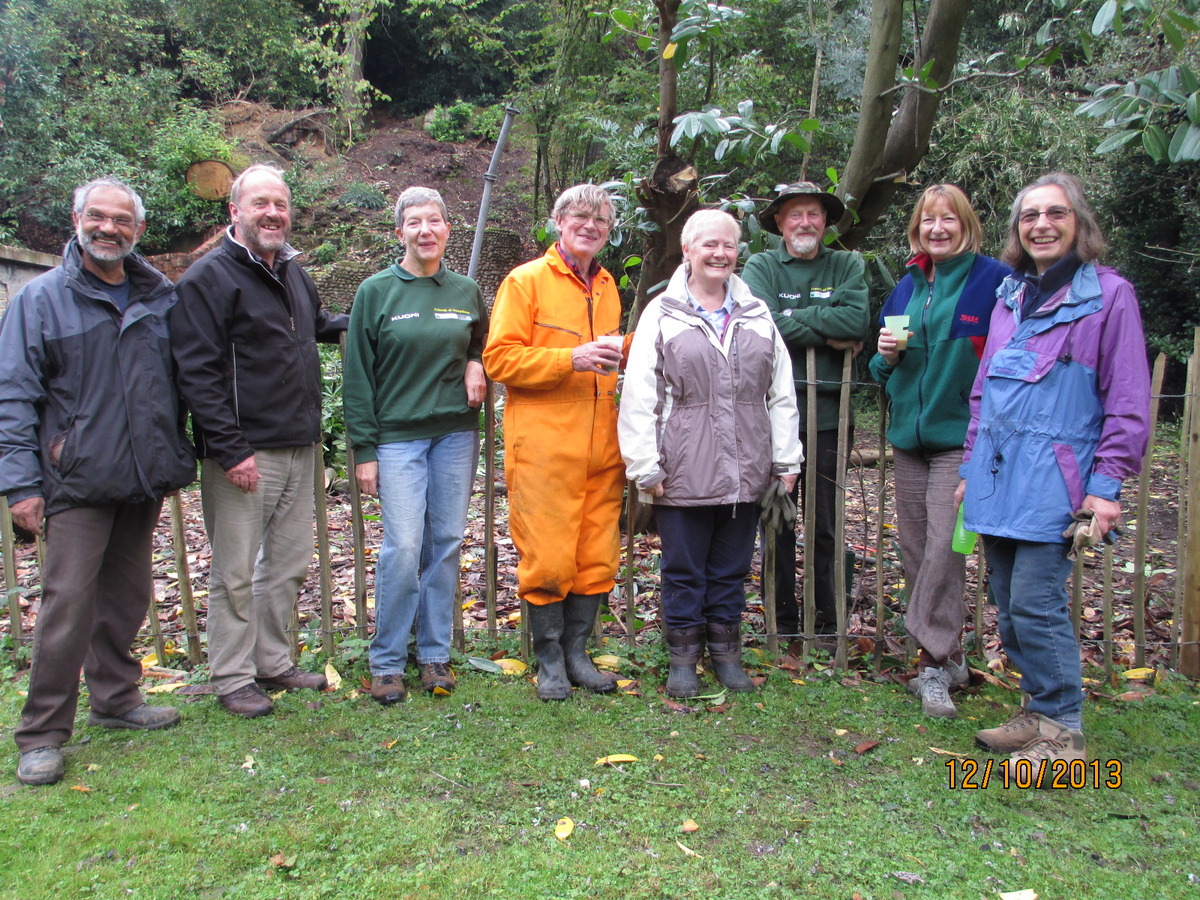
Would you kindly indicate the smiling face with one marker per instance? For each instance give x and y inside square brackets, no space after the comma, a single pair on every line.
[423,232]
[262,214]
[107,229]
[940,232]
[1046,226]
[584,232]
[712,256]
[801,222]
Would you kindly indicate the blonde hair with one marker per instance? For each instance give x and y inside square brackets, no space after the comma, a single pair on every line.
[955,198]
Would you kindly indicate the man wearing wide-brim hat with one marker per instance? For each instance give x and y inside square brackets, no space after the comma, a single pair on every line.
[819,299]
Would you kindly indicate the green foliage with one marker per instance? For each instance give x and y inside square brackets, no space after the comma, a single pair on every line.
[451,124]
[325,253]
[360,195]
[333,415]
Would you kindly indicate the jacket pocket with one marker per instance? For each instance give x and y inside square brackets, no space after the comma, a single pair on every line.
[1068,465]
[551,334]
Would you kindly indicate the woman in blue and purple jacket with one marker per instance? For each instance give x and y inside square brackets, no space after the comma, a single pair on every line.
[1059,419]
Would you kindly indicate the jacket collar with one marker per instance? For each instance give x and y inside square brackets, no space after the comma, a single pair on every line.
[146,283]
[555,258]
[438,277]
[243,253]
[1084,287]
[675,297]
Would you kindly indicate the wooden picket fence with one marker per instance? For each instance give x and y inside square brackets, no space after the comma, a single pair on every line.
[632,599]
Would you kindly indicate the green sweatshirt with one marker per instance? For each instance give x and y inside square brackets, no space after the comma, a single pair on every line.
[407,350]
[814,300]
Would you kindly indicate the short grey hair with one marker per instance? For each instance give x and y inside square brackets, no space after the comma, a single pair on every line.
[418,196]
[590,198]
[82,192]
[235,189]
[705,220]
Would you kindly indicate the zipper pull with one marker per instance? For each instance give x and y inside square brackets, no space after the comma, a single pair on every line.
[292,322]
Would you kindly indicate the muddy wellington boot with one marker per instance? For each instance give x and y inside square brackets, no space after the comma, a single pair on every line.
[546,626]
[579,615]
[725,652]
[686,646]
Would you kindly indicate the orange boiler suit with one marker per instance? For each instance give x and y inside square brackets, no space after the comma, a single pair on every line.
[562,461]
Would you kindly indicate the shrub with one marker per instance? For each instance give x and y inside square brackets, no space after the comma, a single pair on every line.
[361,195]
[451,124]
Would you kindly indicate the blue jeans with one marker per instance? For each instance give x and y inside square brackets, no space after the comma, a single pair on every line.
[1029,582]
[424,491]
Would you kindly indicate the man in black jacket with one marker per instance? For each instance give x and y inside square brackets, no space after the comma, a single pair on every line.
[244,335]
[91,440]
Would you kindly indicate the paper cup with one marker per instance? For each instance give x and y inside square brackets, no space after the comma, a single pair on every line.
[616,342]
[898,326]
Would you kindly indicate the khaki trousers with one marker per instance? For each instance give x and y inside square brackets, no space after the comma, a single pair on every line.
[262,543]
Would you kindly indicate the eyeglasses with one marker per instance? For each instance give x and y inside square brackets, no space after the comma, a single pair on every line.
[1054,214]
[99,219]
[581,219]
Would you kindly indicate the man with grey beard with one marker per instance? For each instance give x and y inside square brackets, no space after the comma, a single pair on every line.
[819,300]
[91,440]
[244,335]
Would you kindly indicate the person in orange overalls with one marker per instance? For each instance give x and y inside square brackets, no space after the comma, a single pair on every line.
[555,344]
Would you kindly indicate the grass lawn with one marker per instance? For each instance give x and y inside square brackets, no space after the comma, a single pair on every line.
[459,796]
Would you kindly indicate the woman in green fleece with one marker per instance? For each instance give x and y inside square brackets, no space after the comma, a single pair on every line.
[413,385]
[948,297]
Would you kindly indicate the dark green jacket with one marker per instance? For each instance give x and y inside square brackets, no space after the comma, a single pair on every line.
[407,350]
[813,301]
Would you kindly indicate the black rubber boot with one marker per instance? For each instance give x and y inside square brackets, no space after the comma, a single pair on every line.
[725,652]
[546,626]
[686,646]
[579,615]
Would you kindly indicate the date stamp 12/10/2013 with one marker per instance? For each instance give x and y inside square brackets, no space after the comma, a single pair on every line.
[1054,774]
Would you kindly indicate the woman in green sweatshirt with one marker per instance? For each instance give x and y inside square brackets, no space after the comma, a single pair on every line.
[413,384]
[948,297]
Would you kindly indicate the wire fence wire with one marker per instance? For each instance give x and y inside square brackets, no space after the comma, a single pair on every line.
[870,632]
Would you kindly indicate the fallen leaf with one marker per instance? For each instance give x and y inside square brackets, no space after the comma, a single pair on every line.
[862,748]
[607,661]
[92,767]
[689,826]
[163,688]
[388,745]
[1027,894]
[908,877]
[948,753]
[333,677]
[150,659]
[485,665]
[563,828]
[624,683]
[719,708]
[840,732]
[512,666]
[1138,674]
[249,763]
[688,851]
[658,757]
[1131,696]
[798,681]
[281,861]
[613,758]
[678,707]
[81,787]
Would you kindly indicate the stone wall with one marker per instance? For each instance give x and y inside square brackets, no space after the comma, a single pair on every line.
[502,252]
[18,267]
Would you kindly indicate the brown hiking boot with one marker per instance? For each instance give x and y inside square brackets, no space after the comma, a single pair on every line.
[436,675]
[249,701]
[1011,736]
[1051,753]
[387,689]
[141,718]
[294,678]
[42,765]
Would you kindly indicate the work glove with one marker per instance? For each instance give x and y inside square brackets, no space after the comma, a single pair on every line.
[1083,532]
[778,510]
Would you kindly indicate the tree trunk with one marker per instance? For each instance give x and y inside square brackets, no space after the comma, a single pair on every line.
[887,147]
[669,194]
[352,73]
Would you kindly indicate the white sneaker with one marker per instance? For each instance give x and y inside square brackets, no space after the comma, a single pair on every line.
[933,687]
[958,672]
